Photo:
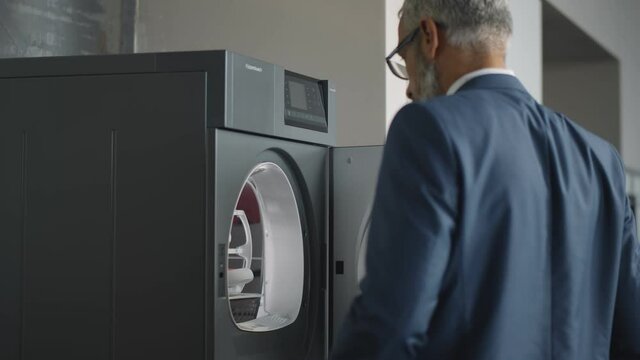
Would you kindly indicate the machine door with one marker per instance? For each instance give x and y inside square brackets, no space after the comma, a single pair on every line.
[268,282]
[354,176]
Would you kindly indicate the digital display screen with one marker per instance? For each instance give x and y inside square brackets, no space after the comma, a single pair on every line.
[297,92]
[303,103]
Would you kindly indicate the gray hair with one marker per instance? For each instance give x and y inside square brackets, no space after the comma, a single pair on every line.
[480,25]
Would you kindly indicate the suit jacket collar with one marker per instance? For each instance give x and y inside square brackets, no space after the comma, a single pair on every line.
[494,81]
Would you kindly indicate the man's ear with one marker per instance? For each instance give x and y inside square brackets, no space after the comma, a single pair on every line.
[430,39]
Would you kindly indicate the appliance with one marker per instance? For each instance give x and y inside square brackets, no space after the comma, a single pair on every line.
[354,173]
[163,206]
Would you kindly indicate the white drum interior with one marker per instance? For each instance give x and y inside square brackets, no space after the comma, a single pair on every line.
[265,260]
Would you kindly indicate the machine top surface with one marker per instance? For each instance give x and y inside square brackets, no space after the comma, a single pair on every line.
[242,93]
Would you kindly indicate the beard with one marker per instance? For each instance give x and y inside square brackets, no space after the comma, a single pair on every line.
[428,85]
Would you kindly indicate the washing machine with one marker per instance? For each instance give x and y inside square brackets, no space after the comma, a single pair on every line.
[163,206]
[354,175]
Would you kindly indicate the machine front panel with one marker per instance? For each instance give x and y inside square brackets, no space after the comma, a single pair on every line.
[268,295]
[354,177]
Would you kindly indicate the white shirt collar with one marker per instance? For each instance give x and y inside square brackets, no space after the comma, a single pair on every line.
[474,74]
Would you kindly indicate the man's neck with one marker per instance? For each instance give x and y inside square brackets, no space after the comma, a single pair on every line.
[459,63]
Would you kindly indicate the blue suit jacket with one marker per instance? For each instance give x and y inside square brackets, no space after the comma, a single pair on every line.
[500,230]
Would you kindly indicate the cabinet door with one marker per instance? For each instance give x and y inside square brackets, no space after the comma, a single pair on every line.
[102,223]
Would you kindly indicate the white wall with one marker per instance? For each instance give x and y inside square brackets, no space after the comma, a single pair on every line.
[524,55]
[334,39]
[616,26]
[396,88]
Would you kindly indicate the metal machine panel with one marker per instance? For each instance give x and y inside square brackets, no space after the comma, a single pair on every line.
[304,134]
[251,95]
[114,195]
[242,93]
[105,231]
[248,94]
[235,155]
[354,177]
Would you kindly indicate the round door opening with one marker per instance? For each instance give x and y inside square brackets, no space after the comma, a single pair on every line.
[265,260]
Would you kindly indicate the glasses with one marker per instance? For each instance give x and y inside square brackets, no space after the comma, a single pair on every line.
[395,61]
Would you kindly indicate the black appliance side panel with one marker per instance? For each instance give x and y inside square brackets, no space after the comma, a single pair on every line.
[11,224]
[354,175]
[160,223]
[103,237]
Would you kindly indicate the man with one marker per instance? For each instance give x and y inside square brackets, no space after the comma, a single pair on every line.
[501,229]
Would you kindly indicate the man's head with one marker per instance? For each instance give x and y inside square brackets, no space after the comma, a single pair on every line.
[453,37]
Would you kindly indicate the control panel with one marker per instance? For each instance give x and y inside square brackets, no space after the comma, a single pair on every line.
[305,102]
